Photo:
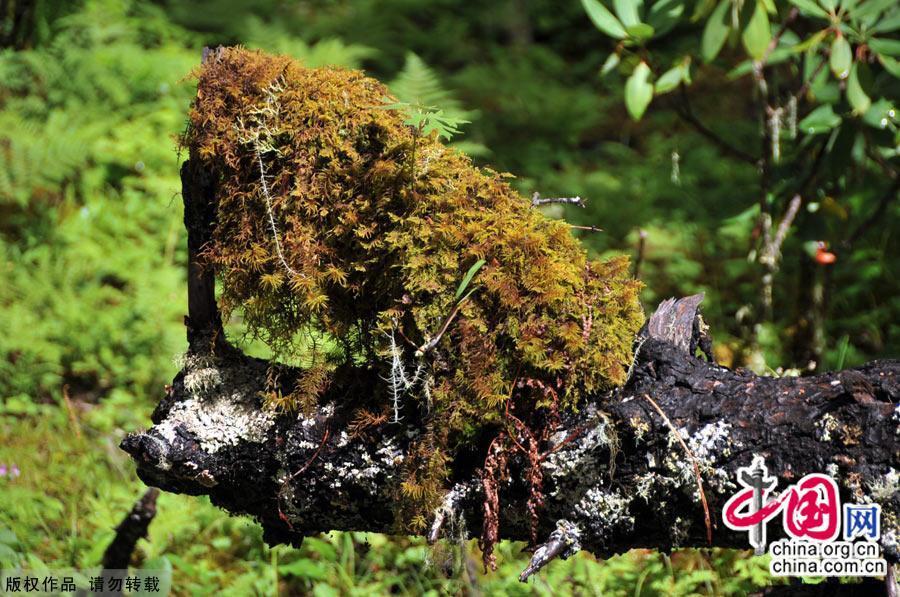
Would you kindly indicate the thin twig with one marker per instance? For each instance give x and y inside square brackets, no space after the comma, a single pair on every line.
[537,201]
[588,228]
[693,458]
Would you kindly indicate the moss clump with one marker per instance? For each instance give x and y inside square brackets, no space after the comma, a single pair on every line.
[343,235]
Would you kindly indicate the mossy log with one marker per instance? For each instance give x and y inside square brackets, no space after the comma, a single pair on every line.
[618,472]
[615,469]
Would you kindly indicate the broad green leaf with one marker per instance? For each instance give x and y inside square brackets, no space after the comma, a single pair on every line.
[841,57]
[809,7]
[664,15]
[890,65]
[820,120]
[669,80]
[716,31]
[640,32]
[627,11]
[468,277]
[612,61]
[855,94]
[603,19]
[887,23]
[887,47]
[757,34]
[880,114]
[638,91]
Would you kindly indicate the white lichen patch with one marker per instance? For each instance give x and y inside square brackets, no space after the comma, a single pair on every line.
[222,408]
[885,487]
[896,419]
[708,445]
[582,451]
[825,427]
[604,511]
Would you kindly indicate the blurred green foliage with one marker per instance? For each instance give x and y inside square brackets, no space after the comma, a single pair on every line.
[94,93]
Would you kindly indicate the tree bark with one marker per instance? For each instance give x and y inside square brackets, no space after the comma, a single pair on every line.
[618,474]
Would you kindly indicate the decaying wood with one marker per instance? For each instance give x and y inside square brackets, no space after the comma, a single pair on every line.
[615,476]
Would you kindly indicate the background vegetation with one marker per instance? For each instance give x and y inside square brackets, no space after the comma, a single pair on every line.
[94,93]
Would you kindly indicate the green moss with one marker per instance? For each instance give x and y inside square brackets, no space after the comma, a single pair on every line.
[375,226]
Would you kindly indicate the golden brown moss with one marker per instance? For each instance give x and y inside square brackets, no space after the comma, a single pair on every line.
[362,229]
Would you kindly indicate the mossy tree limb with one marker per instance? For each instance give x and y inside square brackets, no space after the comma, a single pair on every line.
[622,479]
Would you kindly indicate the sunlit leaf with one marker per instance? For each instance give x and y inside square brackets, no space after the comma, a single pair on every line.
[809,7]
[820,120]
[887,47]
[669,80]
[855,94]
[638,91]
[890,65]
[612,61]
[716,32]
[627,11]
[841,57]
[664,15]
[757,33]
[603,19]
[640,32]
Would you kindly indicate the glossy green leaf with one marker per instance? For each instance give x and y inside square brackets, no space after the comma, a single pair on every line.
[820,120]
[664,15]
[640,32]
[841,57]
[881,114]
[612,61]
[627,11]
[603,19]
[638,91]
[716,31]
[885,47]
[887,23]
[890,65]
[757,34]
[858,98]
[829,5]
[809,7]
[669,80]
[468,277]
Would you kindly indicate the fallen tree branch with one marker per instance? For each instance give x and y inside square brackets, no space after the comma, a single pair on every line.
[612,472]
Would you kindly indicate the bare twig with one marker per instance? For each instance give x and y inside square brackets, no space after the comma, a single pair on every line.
[588,228]
[537,200]
[690,453]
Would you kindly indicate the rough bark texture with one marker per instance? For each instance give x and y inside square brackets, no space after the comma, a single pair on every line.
[615,470]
